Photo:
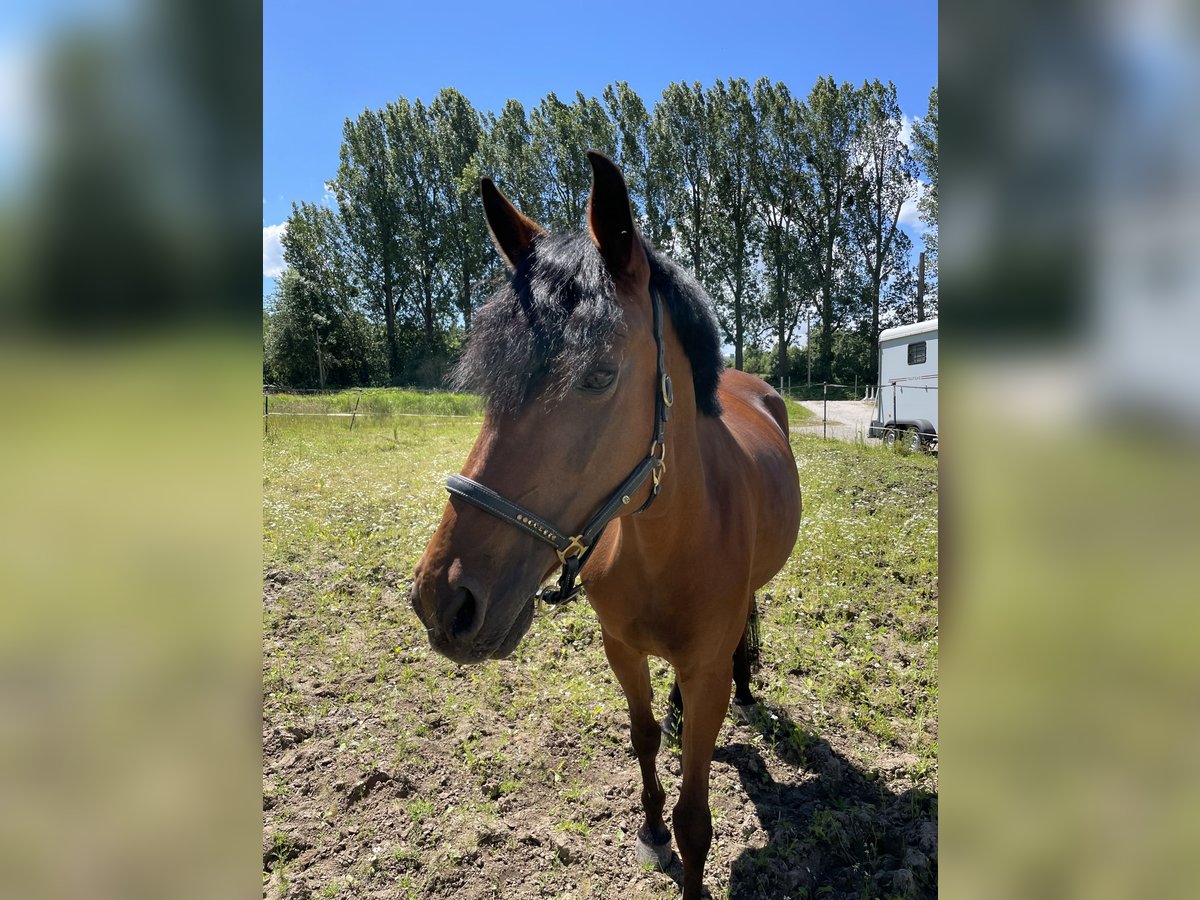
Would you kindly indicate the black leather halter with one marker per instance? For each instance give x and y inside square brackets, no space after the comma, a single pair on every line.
[573,551]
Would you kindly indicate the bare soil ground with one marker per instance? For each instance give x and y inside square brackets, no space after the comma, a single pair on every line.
[346,827]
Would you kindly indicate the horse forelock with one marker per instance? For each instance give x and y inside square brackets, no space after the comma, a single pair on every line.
[550,322]
[557,316]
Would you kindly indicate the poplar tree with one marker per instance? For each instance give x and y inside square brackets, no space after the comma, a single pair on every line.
[736,232]
[681,149]
[368,196]
[507,156]
[776,173]
[631,123]
[425,242]
[885,179]
[457,137]
[925,152]
[562,134]
[829,121]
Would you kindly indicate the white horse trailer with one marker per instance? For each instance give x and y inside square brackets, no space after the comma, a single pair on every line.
[906,399]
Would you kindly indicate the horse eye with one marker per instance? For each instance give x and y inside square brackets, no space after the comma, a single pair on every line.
[598,380]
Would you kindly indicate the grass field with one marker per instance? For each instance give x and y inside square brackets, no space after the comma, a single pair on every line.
[384,402]
[378,402]
[391,772]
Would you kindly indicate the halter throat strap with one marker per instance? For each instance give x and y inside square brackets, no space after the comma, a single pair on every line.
[573,550]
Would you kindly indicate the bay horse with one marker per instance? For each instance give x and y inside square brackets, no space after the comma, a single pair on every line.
[607,405]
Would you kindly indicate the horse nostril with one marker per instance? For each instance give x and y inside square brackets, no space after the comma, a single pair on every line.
[463,616]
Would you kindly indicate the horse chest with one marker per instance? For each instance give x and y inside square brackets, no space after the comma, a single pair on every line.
[668,613]
[645,629]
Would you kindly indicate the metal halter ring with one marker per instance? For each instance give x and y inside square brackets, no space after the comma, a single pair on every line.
[668,392]
[660,462]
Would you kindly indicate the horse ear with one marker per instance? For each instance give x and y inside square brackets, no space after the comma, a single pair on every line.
[512,232]
[610,218]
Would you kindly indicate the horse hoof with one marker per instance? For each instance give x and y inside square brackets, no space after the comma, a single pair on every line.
[656,855]
[744,712]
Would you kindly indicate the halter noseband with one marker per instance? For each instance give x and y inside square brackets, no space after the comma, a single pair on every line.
[573,551]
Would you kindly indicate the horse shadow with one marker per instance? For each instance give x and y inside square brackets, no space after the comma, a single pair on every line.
[832,830]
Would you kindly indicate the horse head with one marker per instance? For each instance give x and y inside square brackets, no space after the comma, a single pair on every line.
[566,355]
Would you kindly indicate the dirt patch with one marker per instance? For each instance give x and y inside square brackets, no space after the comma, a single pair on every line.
[524,804]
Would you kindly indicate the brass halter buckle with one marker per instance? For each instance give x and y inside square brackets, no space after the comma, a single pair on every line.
[576,548]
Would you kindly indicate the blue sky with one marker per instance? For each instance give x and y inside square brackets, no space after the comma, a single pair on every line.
[323,62]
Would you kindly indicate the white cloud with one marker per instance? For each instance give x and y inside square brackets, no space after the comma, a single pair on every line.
[906,129]
[910,216]
[273,250]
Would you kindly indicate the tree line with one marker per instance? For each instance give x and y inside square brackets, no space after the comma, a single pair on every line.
[784,207]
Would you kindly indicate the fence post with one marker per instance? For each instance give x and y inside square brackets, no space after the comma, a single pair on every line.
[266,412]
[355,412]
[825,411]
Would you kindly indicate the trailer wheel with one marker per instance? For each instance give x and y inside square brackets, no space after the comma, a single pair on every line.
[906,437]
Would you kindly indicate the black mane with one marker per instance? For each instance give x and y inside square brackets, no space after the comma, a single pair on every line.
[557,316]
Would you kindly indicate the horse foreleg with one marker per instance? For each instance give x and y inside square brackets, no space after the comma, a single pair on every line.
[743,697]
[632,671]
[706,698]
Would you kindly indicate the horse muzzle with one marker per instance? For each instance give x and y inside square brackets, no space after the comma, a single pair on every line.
[465,625]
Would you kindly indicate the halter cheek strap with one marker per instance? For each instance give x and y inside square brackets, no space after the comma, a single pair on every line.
[573,551]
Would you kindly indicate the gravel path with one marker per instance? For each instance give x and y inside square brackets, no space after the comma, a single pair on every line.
[849,420]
